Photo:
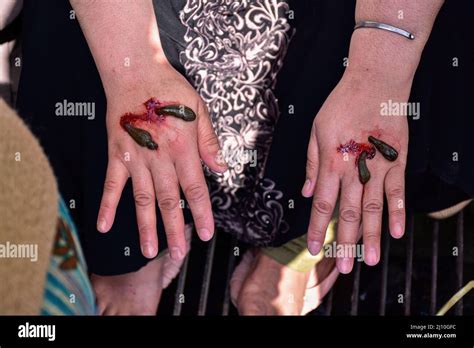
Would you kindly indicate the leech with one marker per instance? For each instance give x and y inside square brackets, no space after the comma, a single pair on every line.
[364,152]
[155,112]
[179,111]
[364,174]
[386,150]
[141,137]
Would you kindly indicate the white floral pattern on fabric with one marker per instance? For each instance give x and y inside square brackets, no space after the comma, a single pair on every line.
[234,52]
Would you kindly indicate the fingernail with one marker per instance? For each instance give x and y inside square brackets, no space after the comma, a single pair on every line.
[345,265]
[148,250]
[205,234]
[220,160]
[176,254]
[101,225]
[397,230]
[314,247]
[307,188]
[371,256]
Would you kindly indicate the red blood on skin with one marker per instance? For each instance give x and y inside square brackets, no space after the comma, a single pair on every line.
[149,114]
[355,148]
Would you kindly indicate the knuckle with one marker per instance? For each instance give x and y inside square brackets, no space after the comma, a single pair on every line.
[210,140]
[314,129]
[397,212]
[168,203]
[372,236]
[176,140]
[350,214]
[111,185]
[373,206]
[311,166]
[195,193]
[172,237]
[145,229]
[316,234]
[143,199]
[395,192]
[322,207]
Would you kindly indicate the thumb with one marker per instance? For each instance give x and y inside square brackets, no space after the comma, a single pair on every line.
[208,144]
[312,164]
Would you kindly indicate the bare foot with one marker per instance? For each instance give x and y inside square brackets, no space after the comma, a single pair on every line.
[270,288]
[136,293]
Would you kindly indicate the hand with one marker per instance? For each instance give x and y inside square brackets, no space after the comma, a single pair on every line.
[353,111]
[159,173]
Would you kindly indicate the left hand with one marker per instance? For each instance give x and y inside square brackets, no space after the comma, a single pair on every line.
[353,111]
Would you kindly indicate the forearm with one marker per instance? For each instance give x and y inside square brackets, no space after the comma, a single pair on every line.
[378,53]
[123,38]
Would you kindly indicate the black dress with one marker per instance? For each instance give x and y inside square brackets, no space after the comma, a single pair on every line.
[262,106]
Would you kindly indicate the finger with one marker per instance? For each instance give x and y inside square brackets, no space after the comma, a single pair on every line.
[395,191]
[167,194]
[311,165]
[349,220]
[208,143]
[324,201]
[144,195]
[115,179]
[372,208]
[191,179]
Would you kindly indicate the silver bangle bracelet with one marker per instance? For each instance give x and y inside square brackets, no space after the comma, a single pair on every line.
[388,27]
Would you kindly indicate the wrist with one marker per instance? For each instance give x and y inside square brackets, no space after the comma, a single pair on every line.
[381,57]
[132,73]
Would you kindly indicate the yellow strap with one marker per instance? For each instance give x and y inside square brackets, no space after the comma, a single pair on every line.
[457,296]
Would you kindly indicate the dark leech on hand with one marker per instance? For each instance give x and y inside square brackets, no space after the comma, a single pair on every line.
[364,174]
[141,137]
[386,150]
[176,110]
[155,113]
[364,151]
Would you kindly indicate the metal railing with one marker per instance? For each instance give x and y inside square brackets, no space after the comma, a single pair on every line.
[221,304]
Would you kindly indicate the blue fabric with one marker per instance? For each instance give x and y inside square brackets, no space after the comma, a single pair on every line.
[68,290]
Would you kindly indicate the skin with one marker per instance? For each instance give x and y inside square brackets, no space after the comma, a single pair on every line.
[381,67]
[129,31]
[125,43]
[142,137]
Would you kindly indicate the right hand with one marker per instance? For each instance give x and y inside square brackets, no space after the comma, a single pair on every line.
[159,174]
